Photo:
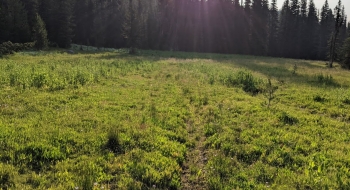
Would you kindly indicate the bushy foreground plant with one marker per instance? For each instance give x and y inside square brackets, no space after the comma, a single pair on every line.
[7,174]
[245,80]
[325,80]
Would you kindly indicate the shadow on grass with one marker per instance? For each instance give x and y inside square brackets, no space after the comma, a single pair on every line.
[280,72]
[283,74]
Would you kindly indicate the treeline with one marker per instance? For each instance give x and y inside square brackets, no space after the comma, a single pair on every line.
[256,27]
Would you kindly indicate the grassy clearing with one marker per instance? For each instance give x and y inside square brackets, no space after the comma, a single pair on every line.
[171,120]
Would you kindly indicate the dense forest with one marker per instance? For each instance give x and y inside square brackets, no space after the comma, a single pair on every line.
[256,27]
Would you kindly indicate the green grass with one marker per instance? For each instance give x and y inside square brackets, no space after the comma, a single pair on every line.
[109,119]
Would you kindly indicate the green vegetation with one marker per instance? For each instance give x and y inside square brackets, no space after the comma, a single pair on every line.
[167,120]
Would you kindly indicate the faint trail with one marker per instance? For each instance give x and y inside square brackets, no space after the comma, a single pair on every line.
[193,174]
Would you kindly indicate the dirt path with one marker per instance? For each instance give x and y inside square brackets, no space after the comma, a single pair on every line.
[193,174]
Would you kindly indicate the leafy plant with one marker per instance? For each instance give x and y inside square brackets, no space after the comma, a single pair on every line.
[346,101]
[39,80]
[114,142]
[269,92]
[287,119]
[211,128]
[245,80]
[295,68]
[326,80]
[7,174]
[319,98]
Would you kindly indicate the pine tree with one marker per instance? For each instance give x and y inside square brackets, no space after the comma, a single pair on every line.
[311,33]
[14,21]
[48,11]
[40,34]
[302,27]
[247,27]
[3,20]
[273,30]
[285,41]
[260,14]
[345,62]
[326,27]
[237,32]
[339,21]
[294,34]
[64,23]
[82,21]
[31,7]
[132,25]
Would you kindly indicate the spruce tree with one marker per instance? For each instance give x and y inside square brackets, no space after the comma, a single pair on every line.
[285,41]
[294,34]
[259,19]
[64,23]
[326,27]
[82,22]
[47,11]
[14,16]
[40,34]
[339,21]
[3,22]
[302,27]
[132,25]
[311,33]
[237,32]
[31,7]
[345,61]
[273,30]
[247,26]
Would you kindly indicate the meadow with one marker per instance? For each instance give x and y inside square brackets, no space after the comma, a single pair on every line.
[172,120]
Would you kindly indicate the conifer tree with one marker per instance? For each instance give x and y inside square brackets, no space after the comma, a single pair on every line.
[15,22]
[48,12]
[259,19]
[339,21]
[273,29]
[326,28]
[40,34]
[3,29]
[285,42]
[31,6]
[311,33]
[83,22]
[247,26]
[64,24]
[294,34]
[345,62]
[302,27]
[132,25]
[238,23]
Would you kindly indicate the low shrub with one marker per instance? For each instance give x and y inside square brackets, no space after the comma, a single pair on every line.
[10,48]
[211,129]
[39,80]
[154,170]
[325,80]
[113,143]
[37,156]
[6,176]
[249,156]
[245,80]
[346,101]
[287,119]
[319,98]
[81,78]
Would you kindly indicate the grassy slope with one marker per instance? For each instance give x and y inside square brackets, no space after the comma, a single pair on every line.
[170,120]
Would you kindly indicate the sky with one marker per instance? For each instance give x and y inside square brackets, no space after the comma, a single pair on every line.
[332,4]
